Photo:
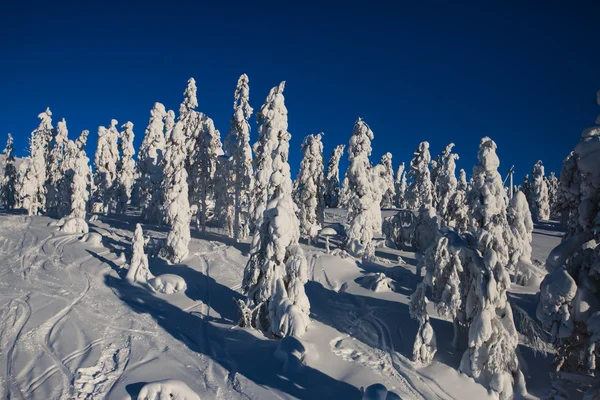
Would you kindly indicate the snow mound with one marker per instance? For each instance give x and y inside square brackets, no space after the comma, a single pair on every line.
[75,225]
[167,389]
[377,282]
[168,283]
[328,231]
[378,391]
[354,351]
[290,352]
[92,238]
[93,218]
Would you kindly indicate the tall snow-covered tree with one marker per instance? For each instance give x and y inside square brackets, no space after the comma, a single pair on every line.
[46,132]
[458,210]
[80,180]
[139,270]
[125,168]
[419,191]
[271,118]
[539,193]
[55,172]
[275,275]
[189,119]
[332,178]
[400,184]
[521,225]
[387,177]
[149,164]
[9,183]
[237,146]
[33,191]
[175,196]
[105,165]
[224,214]
[363,212]
[445,183]
[553,190]
[309,188]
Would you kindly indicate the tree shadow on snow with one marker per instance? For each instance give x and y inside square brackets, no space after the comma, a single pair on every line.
[236,350]
[242,247]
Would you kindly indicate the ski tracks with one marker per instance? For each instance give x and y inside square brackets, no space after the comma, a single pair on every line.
[13,320]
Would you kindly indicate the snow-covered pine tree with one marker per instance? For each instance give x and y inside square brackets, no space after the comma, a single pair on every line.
[387,200]
[362,208]
[9,193]
[458,210]
[445,183]
[139,270]
[67,171]
[275,275]
[419,191]
[80,181]
[46,135]
[190,120]
[309,188]
[271,118]
[527,190]
[400,184]
[55,172]
[539,193]
[149,162]
[237,146]
[126,168]
[224,195]
[521,225]
[332,178]
[175,194]
[105,165]
[33,191]
[553,189]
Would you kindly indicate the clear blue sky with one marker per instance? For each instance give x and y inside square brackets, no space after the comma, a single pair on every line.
[525,75]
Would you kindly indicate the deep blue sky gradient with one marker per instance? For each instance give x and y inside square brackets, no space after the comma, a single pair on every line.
[525,74]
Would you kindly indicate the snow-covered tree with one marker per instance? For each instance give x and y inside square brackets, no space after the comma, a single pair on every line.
[33,190]
[363,211]
[237,146]
[527,190]
[400,185]
[105,165]
[125,168]
[419,191]
[80,179]
[539,193]
[190,120]
[458,210]
[175,196]
[275,275]
[553,190]
[46,132]
[55,171]
[9,183]
[445,183]
[149,164]
[332,178]
[471,291]
[139,270]
[309,188]
[224,214]
[271,118]
[387,177]
[521,225]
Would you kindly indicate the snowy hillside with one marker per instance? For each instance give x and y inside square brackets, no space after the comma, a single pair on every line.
[71,326]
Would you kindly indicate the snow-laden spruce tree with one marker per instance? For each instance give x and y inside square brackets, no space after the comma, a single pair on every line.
[569,306]
[275,275]
[79,185]
[67,171]
[237,146]
[309,188]
[458,210]
[332,178]
[527,190]
[191,121]
[55,172]
[139,270]
[553,190]
[419,191]
[445,183]
[400,187]
[9,183]
[224,213]
[125,168]
[363,212]
[33,190]
[175,196]
[539,193]
[105,166]
[471,291]
[387,177]
[271,118]
[521,225]
[149,163]
[46,132]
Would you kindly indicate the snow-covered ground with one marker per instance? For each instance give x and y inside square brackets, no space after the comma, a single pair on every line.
[71,326]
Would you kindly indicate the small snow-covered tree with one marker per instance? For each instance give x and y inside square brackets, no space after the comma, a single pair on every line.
[332,178]
[387,177]
[105,165]
[149,163]
[33,191]
[275,275]
[419,191]
[125,168]
[363,212]
[9,193]
[400,185]
[237,146]
[175,196]
[139,270]
[445,183]
[458,210]
[55,171]
[79,189]
[521,225]
[539,193]
[309,189]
